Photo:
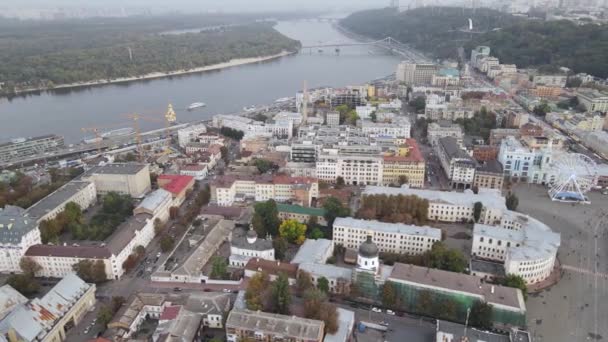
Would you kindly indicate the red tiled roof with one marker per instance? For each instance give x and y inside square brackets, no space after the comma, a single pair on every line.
[170,312]
[85,252]
[177,183]
[414,154]
[272,267]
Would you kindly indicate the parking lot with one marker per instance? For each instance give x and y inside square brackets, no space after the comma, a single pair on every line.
[574,309]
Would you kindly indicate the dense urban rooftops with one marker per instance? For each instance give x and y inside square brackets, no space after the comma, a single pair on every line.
[14,224]
[287,326]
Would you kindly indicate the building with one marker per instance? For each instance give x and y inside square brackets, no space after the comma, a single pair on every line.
[301,214]
[198,171]
[50,318]
[314,251]
[303,152]
[479,53]
[83,193]
[498,134]
[332,119]
[416,74]
[458,166]
[527,162]
[527,246]
[557,80]
[397,129]
[589,122]
[442,129]
[157,204]
[246,246]
[516,119]
[267,327]
[18,232]
[356,165]
[593,100]
[182,317]
[407,164]
[346,321]
[452,206]
[547,92]
[365,112]
[483,153]
[389,237]
[179,186]
[272,268]
[124,178]
[446,77]
[454,332]
[227,190]
[508,305]
[489,175]
[338,278]
[22,147]
[189,134]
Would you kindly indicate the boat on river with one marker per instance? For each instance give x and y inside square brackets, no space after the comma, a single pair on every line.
[196,105]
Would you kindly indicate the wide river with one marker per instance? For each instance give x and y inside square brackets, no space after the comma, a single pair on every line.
[65,112]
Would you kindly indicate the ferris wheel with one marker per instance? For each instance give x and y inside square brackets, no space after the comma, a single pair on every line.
[575,174]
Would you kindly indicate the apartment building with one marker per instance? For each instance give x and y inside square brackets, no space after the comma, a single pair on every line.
[489,175]
[227,190]
[399,128]
[18,231]
[416,73]
[458,166]
[354,169]
[267,327]
[189,134]
[389,237]
[452,206]
[442,129]
[407,162]
[550,80]
[593,100]
[83,193]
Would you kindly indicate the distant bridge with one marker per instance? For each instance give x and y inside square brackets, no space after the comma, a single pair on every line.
[388,43]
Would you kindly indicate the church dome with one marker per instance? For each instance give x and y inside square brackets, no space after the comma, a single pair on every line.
[251,236]
[368,249]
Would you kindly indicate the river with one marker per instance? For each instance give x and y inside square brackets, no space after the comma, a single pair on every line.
[66,111]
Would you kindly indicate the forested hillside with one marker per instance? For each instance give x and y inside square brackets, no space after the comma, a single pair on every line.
[39,54]
[515,40]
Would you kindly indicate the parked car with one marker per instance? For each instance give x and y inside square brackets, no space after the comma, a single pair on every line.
[177,289]
[227,290]
[390,312]
[375,309]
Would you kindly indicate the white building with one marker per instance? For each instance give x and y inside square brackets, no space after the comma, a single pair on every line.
[295,118]
[354,169]
[314,251]
[365,112]
[198,171]
[487,63]
[527,246]
[550,80]
[452,206]
[400,128]
[247,246]
[156,204]
[18,231]
[83,193]
[227,190]
[368,257]
[525,163]
[458,166]
[332,119]
[389,237]
[436,131]
[338,278]
[189,134]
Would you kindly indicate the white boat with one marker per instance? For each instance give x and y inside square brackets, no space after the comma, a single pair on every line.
[117,132]
[249,109]
[196,105]
[282,99]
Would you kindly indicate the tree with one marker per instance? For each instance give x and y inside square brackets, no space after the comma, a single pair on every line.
[225,155]
[516,281]
[293,231]
[323,284]
[281,297]
[29,266]
[339,182]
[166,243]
[403,180]
[266,218]
[303,282]
[418,103]
[373,117]
[104,315]
[129,263]
[219,268]
[573,82]
[333,209]
[117,302]
[512,201]
[91,271]
[541,109]
[317,307]
[99,272]
[280,246]
[264,165]
[25,284]
[481,315]
[158,226]
[389,295]
[316,233]
[255,293]
[477,207]
[140,251]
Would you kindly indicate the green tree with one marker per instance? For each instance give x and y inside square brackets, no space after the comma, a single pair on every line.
[166,243]
[293,231]
[158,226]
[316,233]
[339,182]
[389,295]
[25,284]
[256,289]
[512,201]
[303,282]
[280,246]
[281,297]
[317,307]
[516,281]
[266,218]
[373,117]
[418,103]
[219,268]
[333,209]
[84,270]
[477,207]
[98,272]
[541,109]
[323,284]
[225,155]
[264,165]
[29,266]
[104,315]
[403,180]
[481,315]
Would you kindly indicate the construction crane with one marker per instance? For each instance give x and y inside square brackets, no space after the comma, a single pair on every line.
[98,138]
[169,118]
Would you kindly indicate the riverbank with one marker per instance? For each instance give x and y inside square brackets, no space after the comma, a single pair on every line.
[231,63]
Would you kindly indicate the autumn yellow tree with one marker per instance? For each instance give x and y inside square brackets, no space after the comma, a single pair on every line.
[293,231]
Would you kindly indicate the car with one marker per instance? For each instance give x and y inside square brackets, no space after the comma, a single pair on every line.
[390,312]
[207,290]
[158,254]
[375,309]
[86,331]
[227,291]
[384,323]
[177,289]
